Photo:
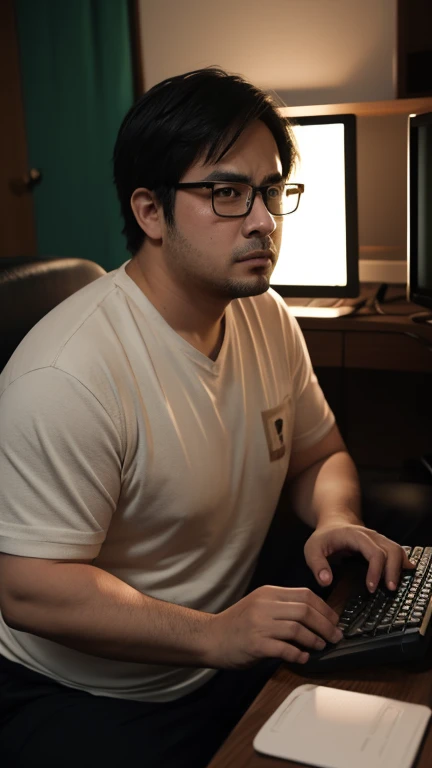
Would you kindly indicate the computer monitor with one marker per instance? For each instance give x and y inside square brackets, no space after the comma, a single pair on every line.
[420,213]
[320,249]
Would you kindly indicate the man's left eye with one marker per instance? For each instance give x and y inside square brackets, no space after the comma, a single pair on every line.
[274,192]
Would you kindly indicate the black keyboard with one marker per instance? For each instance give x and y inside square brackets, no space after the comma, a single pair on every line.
[387,625]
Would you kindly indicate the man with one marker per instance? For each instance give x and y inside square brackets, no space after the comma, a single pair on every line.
[149,424]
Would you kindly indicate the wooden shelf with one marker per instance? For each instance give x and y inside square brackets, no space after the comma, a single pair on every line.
[363,108]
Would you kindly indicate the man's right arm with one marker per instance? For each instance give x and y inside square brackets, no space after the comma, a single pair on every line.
[85,608]
[60,468]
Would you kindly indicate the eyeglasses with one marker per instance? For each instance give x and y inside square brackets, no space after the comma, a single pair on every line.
[233,199]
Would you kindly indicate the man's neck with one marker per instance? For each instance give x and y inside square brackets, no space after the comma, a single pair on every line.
[200,322]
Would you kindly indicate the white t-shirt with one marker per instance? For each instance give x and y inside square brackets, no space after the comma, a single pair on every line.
[123,443]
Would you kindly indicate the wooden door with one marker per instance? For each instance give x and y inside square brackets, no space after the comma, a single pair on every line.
[17,221]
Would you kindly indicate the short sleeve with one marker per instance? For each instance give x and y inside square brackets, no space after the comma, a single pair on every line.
[60,467]
[313,416]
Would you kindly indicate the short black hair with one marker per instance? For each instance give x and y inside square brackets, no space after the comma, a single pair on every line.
[199,114]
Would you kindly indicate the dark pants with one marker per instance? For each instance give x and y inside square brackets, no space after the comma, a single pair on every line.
[46,724]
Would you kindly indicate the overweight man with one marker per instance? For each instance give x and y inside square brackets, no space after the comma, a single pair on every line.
[149,425]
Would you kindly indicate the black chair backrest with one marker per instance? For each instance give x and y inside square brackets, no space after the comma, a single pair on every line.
[30,289]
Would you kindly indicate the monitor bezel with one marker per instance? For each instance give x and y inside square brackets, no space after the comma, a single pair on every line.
[421,296]
[352,286]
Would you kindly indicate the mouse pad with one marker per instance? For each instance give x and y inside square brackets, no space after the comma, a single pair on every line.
[331,728]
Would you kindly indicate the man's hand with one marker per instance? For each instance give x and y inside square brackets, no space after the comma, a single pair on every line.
[385,557]
[266,623]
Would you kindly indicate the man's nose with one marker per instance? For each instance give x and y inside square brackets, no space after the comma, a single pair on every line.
[259,220]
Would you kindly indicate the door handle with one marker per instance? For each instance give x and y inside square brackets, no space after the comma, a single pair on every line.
[24,184]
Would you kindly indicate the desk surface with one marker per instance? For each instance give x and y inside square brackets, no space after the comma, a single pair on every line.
[412,683]
[396,318]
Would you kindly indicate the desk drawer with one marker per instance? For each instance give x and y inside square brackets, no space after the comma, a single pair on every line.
[325,348]
[386,352]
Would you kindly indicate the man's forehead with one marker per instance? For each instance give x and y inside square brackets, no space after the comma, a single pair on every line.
[254,157]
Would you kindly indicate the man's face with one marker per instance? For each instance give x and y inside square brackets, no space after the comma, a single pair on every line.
[223,257]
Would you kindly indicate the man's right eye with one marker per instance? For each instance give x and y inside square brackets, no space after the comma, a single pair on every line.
[227,192]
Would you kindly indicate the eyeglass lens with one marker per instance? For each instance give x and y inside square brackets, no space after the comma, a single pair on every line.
[233,199]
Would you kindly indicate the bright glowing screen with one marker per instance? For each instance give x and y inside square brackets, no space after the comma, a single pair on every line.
[313,250]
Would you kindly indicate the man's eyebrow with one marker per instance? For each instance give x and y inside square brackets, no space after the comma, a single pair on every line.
[221,175]
[273,178]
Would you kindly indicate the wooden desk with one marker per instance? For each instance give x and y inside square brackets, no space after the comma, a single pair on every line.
[390,342]
[376,372]
[409,683]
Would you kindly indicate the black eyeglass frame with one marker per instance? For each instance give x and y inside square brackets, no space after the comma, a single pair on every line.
[262,189]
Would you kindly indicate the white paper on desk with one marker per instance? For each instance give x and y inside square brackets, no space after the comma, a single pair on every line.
[332,728]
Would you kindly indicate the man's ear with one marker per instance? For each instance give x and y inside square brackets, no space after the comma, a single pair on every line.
[148,212]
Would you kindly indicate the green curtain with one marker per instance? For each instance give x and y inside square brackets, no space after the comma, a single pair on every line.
[77,80]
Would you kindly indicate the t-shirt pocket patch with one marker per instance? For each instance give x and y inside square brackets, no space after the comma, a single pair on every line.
[277,429]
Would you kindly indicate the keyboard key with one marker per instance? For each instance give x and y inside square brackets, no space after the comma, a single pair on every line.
[398,626]
[414,621]
[382,629]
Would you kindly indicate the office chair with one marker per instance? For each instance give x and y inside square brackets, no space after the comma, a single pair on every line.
[29,289]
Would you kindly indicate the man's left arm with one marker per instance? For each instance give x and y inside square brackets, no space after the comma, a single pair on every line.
[325,494]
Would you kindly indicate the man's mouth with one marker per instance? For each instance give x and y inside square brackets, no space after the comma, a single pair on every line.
[258,256]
